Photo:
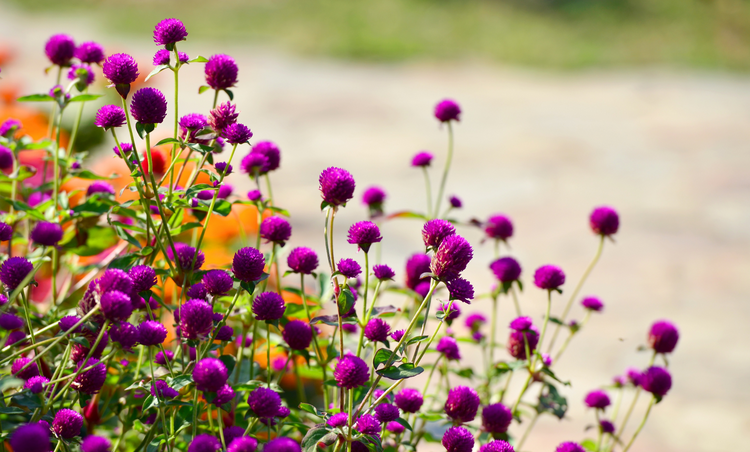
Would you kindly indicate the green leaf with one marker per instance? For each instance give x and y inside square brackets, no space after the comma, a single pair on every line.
[589,445]
[10,410]
[199,59]
[417,339]
[407,214]
[85,97]
[230,94]
[36,98]
[552,402]
[310,409]
[317,435]
[167,141]
[381,357]
[406,370]
[124,262]
[223,207]
[156,70]
[203,89]
[138,426]
[88,175]
[185,227]
[98,239]
[10,382]
[403,422]
[380,310]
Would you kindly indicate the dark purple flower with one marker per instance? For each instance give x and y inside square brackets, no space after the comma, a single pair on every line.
[336,186]
[149,106]
[197,290]
[222,116]
[597,399]
[120,69]
[94,443]
[6,158]
[351,372]
[449,348]
[264,402]
[451,258]
[162,57]
[127,148]
[232,433]
[143,276]
[416,266]
[6,232]
[10,322]
[242,444]
[116,306]
[252,163]
[663,336]
[422,159]
[225,190]
[169,31]
[161,359]
[90,52]
[377,330]
[453,314]
[82,72]
[125,334]
[275,229]
[272,154]
[455,202]
[220,167]
[30,438]
[268,306]
[634,376]
[517,342]
[9,127]
[499,227]
[15,337]
[373,198]
[36,384]
[221,72]
[461,289]
[570,447]
[110,116]
[46,233]
[210,375]
[204,443]
[592,304]
[217,282]
[224,395]
[496,418]
[385,412]
[497,445]
[458,439]
[185,256]
[656,380]
[100,186]
[282,444]
[161,390]
[92,380]
[14,270]
[604,221]
[383,272]
[302,260]
[606,426]
[367,424]
[31,370]
[395,428]
[409,400]
[506,269]
[521,323]
[349,268]
[196,319]
[237,133]
[364,234]
[248,264]
[60,49]
[151,332]
[434,231]
[549,277]
[462,404]
[297,334]
[447,110]
[475,321]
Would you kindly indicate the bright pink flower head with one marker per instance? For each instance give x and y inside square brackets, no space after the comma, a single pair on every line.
[90,52]
[169,31]
[499,227]
[458,439]
[210,375]
[221,72]
[604,221]
[549,277]
[336,186]
[663,336]
[447,110]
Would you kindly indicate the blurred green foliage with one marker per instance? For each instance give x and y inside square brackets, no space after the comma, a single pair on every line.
[542,33]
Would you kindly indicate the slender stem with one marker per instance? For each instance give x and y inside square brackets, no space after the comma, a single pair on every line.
[515,301]
[570,336]
[270,192]
[428,190]
[546,319]
[252,349]
[300,388]
[493,324]
[195,411]
[640,427]
[598,431]
[81,369]
[434,334]
[53,112]
[176,71]
[447,168]
[56,164]
[160,409]
[268,354]
[76,125]
[424,324]
[351,420]
[27,315]
[364,309]
[318,353]
[219,421]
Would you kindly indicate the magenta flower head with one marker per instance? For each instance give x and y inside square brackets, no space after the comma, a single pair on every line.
[338,420]
[517,342]
[94,443]
[99,186]
[409,400]
[10,127]
[14,270]
[196,319]
[109,117]
[125,334]
[191,124]
[185,254]
[434,231]
[455,202]
[271,152]
[497,445]
[592,304]
[204,443]
[377,330]
[302,260]
[385,412]
[225,333]
[237,133]
[248,264]
[223,168]
[161,390]
[234,432]
[336,186]
[549,277]
[451,258]
[297,334]
[368,424]
[383,272]
[92,380]
[663,337]
[116,306]
[31,370]
[398,335]
[461,289]
[30,438]
[223,116]
[452,314]
[417,265]
[458,439]
[521,324]
[149,106]
[657,381]
[373,198]
[143,276]
[349,268]
[121,70]
[499,227]
[597,399]
[221,72]
[606,426]
[496,418]
[275,229]
[422,159]
[169,31]
[253,163]
[283,444]
[223,395]
[448,347]
[151,333]
[475,321]
[268,306]
[462,404]
[395,428]
[210,374]
[217,282]
[6,158]
[351,372]
[83,73]
[364,234]
[570,447]
[264,402]
[90,52]
[67,423]
[60,49]
[6,232]
[46,233]
[36,384]
[506,269]
[447,110]
[604,221]
[197,290]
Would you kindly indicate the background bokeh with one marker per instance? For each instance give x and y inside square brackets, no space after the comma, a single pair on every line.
[568,104]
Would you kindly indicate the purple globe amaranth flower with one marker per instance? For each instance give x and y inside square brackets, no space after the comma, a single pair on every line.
[455,202]
[364,234]
[210,374]
[592,304]
[497,445]
[350,328]
[663,336]
[549,277]
[604,221]
[217,282]
[373,198]
[162,57]
[458,439]
[461,289]
[116,306]
[143,276]
[417,265]
[237,133]
[92,380]
[377,330]
[161,390]
[475,321]
[297,334]
[14,270]
[252,163]
[9,127]
[36,384]
[151,333]
[496,418]
[15,337]
[409,400]
[6,232]
[94,443]
[451,258]
[232,433]
[338,420]
[434,231]
[606,426]
[452,314]
[242,444]
[162,358]
[60,49]
[634,376]
[121,69]
[383,272]
[196,319]
[506,269]
[90,52]
[268,306]
[223,116]
[185,254]
[395,428]
[398,335]
[302,260]
[221,167]
[83,73]
[275,229]
[169,31]
[221,72]
[110,116]
[149,106]
[204,443]
[570,447]
[336,186]
[100,186]
[272,154]
[517,342]
[521,323]
[385,412]
[447,110]
[223,395]
[349,268]
[10,322]
[282,444]
[499,227]
[351,372]
[46,233]
[31,370]
[368,424]
[264,402]
[462,404]
[191,124]
[30,438]
[125,334]
[127,148]
[6,158]
[248,264]
[422,159]
[597,399]
[449,348]
[656,380]
[197,290]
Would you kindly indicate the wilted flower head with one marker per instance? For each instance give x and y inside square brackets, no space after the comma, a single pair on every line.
[264,402]
[46,233]
[268,306]
[275,229]
[462,404]
[496,418]
[60,49]
[248,264]
[364,234]
[169,31]
[663,336]
[152,332]
[217,282]
[149,106]
[237,133]
[449,348]
[351,372]
[90,52]
[656,380]
[499,227]
[196,319]
[458,439]
[604,221]
[222,116]
[451,258]
[549,277]
[210,374]
[434,231]
[597,399]
[14,270]
[110,116]
[447,110]
[221,72]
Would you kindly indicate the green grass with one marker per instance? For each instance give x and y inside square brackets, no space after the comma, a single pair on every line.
[559,34]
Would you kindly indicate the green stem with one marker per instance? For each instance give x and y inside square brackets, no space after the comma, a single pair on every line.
[76,125]
[428,189]
[268,354]
[160,408]
[319,355]
[252,349]
[84,362]
[364,309]
[447,168]
[640,427]
[176,71]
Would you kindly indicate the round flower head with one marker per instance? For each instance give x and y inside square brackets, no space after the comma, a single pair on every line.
[120,69]
[110,116]
[6,232]
[237,133]
[161,390]
[385,412]
[30,438]
[409,400]
[197,290]
[449,348]
[597,399]
[60,49]
[185,255]
[116,306]
[338,420]
[506,269]
[204,443]
[10,322]
[127,148]
[517,342]
[302,260]
[222,116]
[455,202]
[272,154]
[169,31]
[349,268]
[125,334]
[570,447]
[606,426]
[242,444]
[9,127]
[196,319]
[14,270]
[36,384]
[248,264]
[282,444]
[395,428]
[46,233]
[451,258]
[151,332]
[383,272]
[221,167]
[143,276]
[149,106]
[350,328]
[461,289]
[549,277]
[232,433]
[336,186]
[252,163]
[496,418]
[458,439]
[217,282]
[452,314]
[497,445]
[90,52]
[657,381]
[592,304]
[604,221]
[373,198]
[377,330]
[15,337]
[31,370]
[368,424]
[416,266]
[92,380]
[422,159]
[462,404]
[268,306]
[264,402]
[434,231]
[276,230]
[521,323]
[364,234]
[67,423]
[100,186]
[191,124]
[162,358]
[398,335]
[162,57]
[297,334]
[221,72]
[663,337]
[210,375]
[82,72]
[351,372]
[94,443]
[499,227]
[447,110]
